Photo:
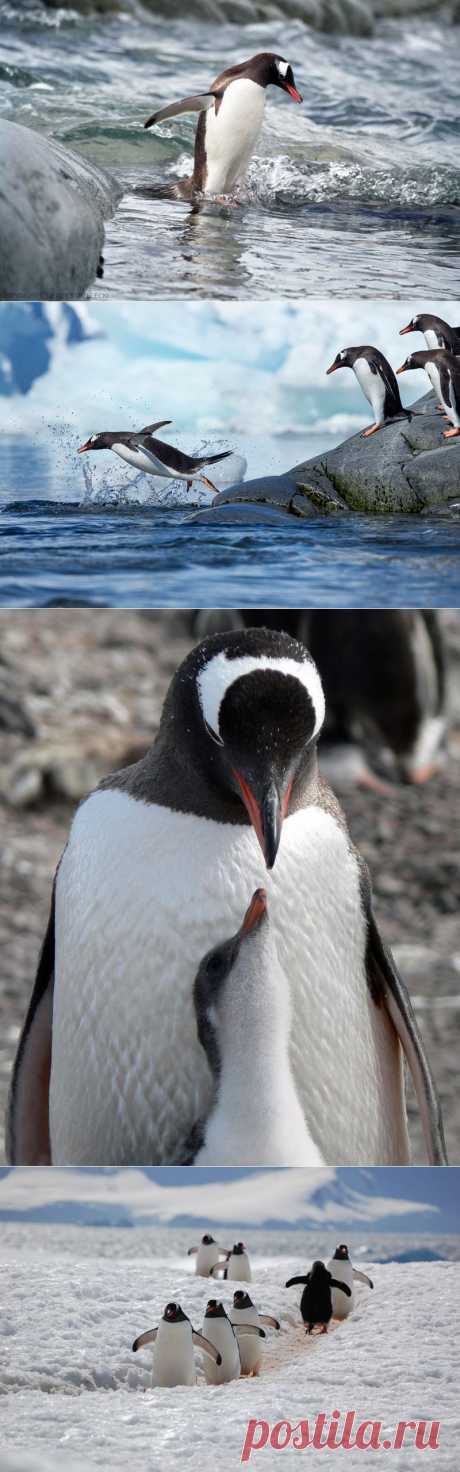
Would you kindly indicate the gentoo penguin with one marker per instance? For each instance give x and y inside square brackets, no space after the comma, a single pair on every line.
[316,1300]
[437,332]
[174,1338]
[445,372]
[237,1268]
[244,1311]
[226,1340]
[158,866]
[343,1271]
[231,116]
[377,381]
[243,1014]
[141,449]
[207,1255]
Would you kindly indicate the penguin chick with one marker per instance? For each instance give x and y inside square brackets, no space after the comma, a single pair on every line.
[377,381]
[242,1007]
[316,1300]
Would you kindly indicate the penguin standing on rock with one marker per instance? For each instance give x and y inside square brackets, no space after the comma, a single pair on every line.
[158,866]
[226,1338]
[237,1267]
[377,381]
[316,1300]
[344,1272]
[244,1311]
[173,1340]
[243,1014]
[141,449]
[231,116]
[443,370]
[207,1255]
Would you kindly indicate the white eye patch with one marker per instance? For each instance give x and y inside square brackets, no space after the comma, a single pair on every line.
[221,672]
[282,67]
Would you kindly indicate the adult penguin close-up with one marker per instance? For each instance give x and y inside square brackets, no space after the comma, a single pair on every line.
[158,866]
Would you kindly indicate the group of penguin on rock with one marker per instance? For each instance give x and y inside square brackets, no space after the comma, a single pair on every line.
[232,1343]
[185,1013]
[441,361]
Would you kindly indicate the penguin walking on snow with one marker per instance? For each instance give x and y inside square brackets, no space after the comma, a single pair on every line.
[316,1300]
[377,381]
[144,451]
[208,1253]
[244,1311]
[243,1013]
[158,866]
[173,1340]
[225,1337]
[443,370]
[343,1271]
[231,116]
[237,1268]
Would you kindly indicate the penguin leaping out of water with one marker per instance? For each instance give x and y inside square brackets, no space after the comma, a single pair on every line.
[377,381]
[243,1013]
[443,370]
[231,116]
[141,449]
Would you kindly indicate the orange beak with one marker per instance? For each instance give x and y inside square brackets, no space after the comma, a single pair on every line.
[403,330]
[402,369]
[293,93]
[333,368]
[255,912]
[266,816]
[82,448]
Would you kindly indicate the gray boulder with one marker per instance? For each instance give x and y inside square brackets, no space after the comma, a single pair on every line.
[406,467]
[52,210]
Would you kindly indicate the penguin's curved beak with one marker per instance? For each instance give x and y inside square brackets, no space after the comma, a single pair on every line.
[266,814]
[403,368]
[293,92]
[255,912]
[403,330]
[82,448]
[333,368]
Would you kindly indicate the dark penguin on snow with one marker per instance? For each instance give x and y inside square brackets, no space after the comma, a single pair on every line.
[231,116]
[377,381]
[316,1300]
[158,866]
[142,450]
[443,370]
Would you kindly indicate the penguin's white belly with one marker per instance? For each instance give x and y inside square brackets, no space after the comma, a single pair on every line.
[220,1334]
[173,1358]
[206,1259]
[231,134]
[250,1346]
[432,372]
[430,338]
[239,1269]
[142,893]
[143,461]
[372,386]
[341,1304]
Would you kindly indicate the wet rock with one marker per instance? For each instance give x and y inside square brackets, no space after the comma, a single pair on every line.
[52,210]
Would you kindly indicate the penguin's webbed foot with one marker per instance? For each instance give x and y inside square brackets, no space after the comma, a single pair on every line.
[372,429]
[450,434]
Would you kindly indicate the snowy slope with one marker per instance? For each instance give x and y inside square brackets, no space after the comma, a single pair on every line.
[73,1390]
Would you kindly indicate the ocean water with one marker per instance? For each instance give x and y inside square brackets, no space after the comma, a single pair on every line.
[357,192]
[106,546]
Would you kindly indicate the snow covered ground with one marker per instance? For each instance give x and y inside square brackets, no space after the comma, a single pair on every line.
[72,1393]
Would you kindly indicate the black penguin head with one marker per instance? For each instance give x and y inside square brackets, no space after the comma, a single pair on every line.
[214,973]
[206,1241]
[280,74]
[416,360]
[243,715]
[215,1309]
[341,1252]
[173,1314]
[242,1299]
[237,1249]
[98,442]
[413,326]
[344,359]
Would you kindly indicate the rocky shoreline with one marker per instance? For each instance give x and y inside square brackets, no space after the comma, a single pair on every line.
[406,468]
[81,695]
[53,205]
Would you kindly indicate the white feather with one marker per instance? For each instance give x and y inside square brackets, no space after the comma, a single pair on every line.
[220,673]
[231,134]
[372,386]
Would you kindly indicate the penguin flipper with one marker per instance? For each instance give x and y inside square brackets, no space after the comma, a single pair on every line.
[291,1281]
[361,1277]
[387,986]
[147,1338]
[191,1250]
[250,1329]
[267,1319]
[200,103]
[27,1126]
[150,428]
[207,1347]
[343,1287]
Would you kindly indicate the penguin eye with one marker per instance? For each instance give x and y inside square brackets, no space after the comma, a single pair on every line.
[214,735]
